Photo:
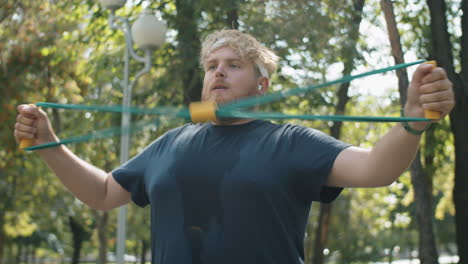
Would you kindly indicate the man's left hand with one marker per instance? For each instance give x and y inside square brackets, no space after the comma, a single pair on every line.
[430,89]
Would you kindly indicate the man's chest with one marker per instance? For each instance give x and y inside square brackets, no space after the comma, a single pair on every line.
[215,170]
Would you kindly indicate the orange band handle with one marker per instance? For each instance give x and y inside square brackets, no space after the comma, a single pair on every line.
[27,142]
[430,114]
[201,112]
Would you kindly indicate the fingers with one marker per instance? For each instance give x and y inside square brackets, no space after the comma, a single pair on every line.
[21,128]
[440,106]
[31,111]
[421,72]
[24,132]
[436,92]
[25,119]
[435,75]
[25,127]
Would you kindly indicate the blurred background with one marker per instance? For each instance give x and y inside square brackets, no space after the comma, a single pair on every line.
[71,52]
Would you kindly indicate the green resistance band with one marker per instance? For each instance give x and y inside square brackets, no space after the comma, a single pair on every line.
[114,131]
[109,132]
[276,96]
[230,110]
[281,116]
[161,110]
[232,113]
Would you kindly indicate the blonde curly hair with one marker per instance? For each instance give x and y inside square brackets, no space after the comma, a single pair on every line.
[245,45]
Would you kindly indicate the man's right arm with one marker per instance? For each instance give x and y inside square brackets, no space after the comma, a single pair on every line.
[91,185]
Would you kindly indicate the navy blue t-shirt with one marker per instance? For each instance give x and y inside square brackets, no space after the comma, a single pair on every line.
[231,193]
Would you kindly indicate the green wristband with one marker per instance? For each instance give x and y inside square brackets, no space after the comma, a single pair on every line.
[410,129]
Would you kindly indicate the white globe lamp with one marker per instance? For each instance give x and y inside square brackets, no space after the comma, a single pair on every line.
[148,32]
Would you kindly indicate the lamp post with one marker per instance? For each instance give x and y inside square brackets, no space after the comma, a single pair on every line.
[148,33]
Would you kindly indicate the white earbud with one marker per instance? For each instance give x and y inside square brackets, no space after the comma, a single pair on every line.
[260,87]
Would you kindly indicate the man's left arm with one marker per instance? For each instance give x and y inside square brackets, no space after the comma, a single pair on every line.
[430,89]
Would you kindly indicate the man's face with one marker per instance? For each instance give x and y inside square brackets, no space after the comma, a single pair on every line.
[228,78]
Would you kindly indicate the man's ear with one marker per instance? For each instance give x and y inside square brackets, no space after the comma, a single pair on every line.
[263,85]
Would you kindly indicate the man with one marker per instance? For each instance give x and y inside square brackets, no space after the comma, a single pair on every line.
[239,190]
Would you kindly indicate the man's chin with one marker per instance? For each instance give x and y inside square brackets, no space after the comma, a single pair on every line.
[224,98]
[218,99]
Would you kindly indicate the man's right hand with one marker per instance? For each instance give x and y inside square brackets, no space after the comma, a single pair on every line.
[32,123]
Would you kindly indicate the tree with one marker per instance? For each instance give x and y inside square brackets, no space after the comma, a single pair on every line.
[443,53]
[189,47]
[422,184]
[33,68]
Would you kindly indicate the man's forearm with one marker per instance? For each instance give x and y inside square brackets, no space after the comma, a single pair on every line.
[379,166]
[392,155]
[85,181]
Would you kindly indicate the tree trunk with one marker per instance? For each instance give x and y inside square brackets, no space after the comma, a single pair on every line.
[144,248]
[424,215]
[232,19]
[349,53]
[460,127]
[464,45]
[395,43]
[102,221]
[78,234]
[189,48]
[321,233]
[422,184]
[442,50]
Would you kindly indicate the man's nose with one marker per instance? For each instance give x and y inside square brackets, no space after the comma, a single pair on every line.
[220,72]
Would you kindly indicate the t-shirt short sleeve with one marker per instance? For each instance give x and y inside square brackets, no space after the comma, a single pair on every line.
[131,175]
[313,157]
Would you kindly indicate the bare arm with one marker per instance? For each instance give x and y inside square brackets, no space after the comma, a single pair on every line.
[91,185]
[387,160]
[379,166]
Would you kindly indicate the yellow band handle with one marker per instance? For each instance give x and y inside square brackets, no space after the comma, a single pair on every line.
[201,112]
[430,114]
[27,142]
